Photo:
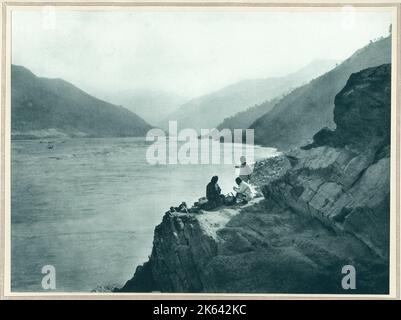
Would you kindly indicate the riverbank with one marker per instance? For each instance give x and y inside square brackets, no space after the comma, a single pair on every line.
[262,247]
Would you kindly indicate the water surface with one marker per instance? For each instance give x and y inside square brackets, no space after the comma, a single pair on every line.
[89,207]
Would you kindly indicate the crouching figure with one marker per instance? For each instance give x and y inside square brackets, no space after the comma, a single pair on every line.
[244,191]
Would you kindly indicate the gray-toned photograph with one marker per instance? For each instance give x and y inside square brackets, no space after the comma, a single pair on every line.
[201,150]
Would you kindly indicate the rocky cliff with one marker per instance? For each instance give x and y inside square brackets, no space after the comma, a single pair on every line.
[325,205]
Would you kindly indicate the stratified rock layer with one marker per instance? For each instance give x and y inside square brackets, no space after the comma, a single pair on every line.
[325,205]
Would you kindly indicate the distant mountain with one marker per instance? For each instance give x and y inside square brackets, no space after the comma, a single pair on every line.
[210,110]
[42,107]
[293,121]
[244,119]
[151,105]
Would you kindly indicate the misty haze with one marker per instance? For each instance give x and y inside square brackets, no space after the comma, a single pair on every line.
[312,85]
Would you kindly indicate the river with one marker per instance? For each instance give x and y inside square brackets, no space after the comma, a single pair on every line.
[88,207]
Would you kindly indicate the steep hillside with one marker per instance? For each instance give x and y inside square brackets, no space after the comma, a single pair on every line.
[325,208]
[244,119]
[210,110]
[293,121]
[42,107]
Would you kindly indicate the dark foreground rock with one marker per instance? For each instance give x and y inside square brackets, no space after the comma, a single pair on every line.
[325,206]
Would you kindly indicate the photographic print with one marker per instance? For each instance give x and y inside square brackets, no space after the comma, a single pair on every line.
[200,149]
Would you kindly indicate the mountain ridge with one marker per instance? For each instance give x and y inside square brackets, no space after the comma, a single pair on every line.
[293,121]
[208,111]
[42,105]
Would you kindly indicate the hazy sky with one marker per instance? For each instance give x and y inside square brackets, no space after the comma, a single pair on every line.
[185,52]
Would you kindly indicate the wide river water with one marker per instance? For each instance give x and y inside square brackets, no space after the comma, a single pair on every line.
[88,207]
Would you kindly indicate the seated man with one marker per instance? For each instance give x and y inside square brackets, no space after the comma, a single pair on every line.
[213,194]
[244,191]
